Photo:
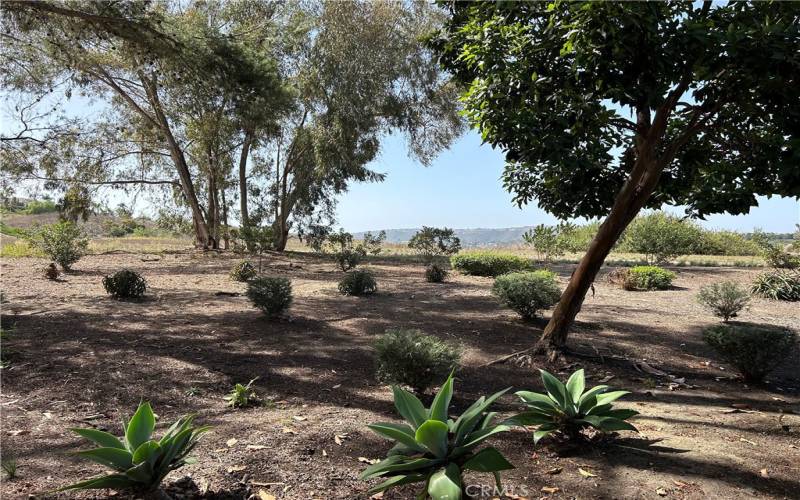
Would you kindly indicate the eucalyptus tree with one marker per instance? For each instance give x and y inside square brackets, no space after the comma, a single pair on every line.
[603,108]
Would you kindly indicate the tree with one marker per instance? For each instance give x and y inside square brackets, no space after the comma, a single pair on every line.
[661,237]
[605,108]
[547,241]
[433,242]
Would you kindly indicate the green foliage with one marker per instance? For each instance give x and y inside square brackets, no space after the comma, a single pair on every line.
[348,258]
[433,243]
[272,295]
[36,207]
[139,461]
[725,299]
[489,263]
[9,466]
[242,396]
[243,271]
[780,259]
[555,86]
[577,238]
[76,204]
[413,359]
[755,350]
[648,278]
[125,284]
[725,243]
[315,236]
[569,408]
[372,242]
[527,292]
[63,242]
[433,449]
[358,282]
[12,231]
[122,224]
[661,237]
[777,285]
[434,273]
[548,241]
[258,239]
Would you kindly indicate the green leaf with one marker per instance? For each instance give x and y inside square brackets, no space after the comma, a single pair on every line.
[115,458]
[543,431]
[401,433]
[397,463]
[488,460]
[145,451]
[445,484]
[610,396]
[575,386]
[101,438]
[141,473]
[607,423]
[112,481]
[140,427]
[621,413]
[397,481]
[478,437]
[555,389]
[529,418]
[472,416]
[379,468]
[441,403]
[433,434]
[409,407]
[589,398]
[535,399]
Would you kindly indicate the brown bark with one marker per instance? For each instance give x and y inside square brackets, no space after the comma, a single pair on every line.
[248,141]
[226,231]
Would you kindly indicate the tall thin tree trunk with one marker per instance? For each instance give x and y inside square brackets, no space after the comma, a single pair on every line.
[248,142]
[226,231]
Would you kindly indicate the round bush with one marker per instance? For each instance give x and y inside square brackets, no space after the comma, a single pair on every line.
[777,285]
[243,271]
[125,284]
[648,278]
[435,273]
[358,282]
[755,350]
[485,263]
[348,258]
[527,292]
[725,299]
[411,358]
[272,295]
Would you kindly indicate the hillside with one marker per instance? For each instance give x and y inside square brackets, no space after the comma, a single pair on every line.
[477,237]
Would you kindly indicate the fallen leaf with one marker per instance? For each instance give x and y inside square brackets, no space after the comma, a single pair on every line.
[263,495]
[605,379]
[555,470]
[764,473]
[324,453]
[586,473]
[368,460]
[256,447]
[338,438]
[550,489]
[231,442]
[661,491]
[236,468]
[336,386]
[299,418]
[779,399]
[18,432]
[746,441]
[680,484]
[376,496]
[287,430]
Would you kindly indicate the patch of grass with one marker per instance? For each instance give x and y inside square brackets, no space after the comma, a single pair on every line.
[20,249]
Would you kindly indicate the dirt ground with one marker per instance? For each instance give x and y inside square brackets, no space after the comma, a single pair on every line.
[78,358]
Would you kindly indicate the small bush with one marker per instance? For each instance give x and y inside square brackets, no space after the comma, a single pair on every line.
[242,396]
[411,358]
[648,278]
[485,263]
[272,295]
[725,299]
[35,207]
[527,292]
[63,242]
[358,282]
[777,258]
[348,258]
[755,350]
[125,284]
[435,273]
[243,271]
[661,237]
[777,285]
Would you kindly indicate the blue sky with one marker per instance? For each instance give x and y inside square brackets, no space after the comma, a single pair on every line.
[462,189]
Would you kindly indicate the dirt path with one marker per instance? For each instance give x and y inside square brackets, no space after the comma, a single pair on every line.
[78,358]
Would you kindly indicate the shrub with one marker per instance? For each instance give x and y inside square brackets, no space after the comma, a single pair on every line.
[243,271]
[433,242]
[51,272]
[487,263]
[411,358]
[527,292]
[372,243]
[35,207]
[661,237]
[272,295]
[434,273]
[242,396]
[648,278]
[348,258]
[755,350]
[568,409]
[63,242]
[9,466]
[777,285]
[777,258]
[140,462]
[725,243]
[433,449]
[125,284]
[358,282]
[725,299]
[549,241]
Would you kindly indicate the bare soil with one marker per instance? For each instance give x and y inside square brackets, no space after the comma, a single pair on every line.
[78,358]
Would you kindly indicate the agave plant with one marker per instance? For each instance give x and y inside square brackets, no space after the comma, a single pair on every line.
[242,396]
[139,461]
[568,409]
[433,449]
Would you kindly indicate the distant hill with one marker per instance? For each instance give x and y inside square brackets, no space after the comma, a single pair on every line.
[478,237]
